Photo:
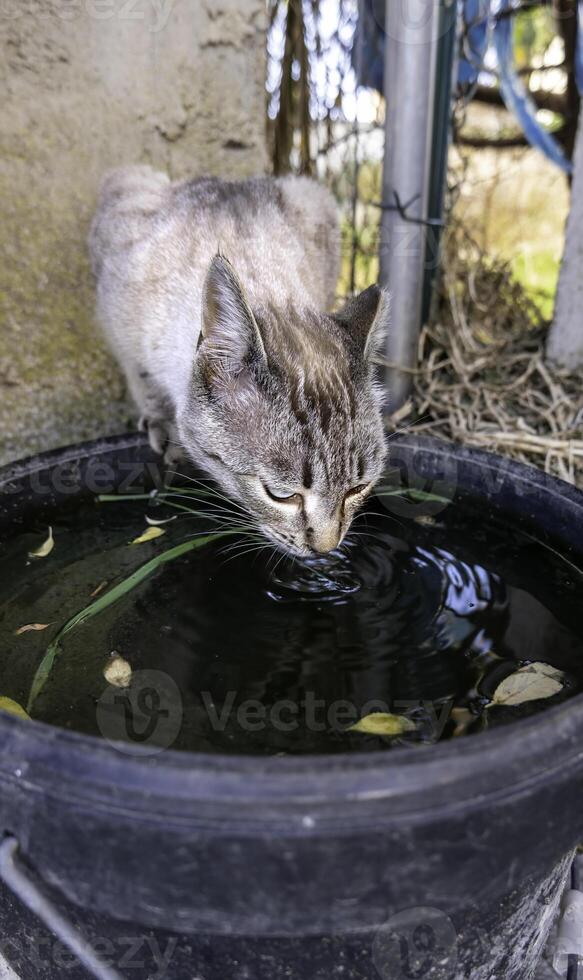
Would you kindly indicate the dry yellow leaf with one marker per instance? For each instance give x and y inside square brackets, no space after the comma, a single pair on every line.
[150,535]
[13,708]
[30,627]
[462,718]
[118,672]
[45,548]
[383,723]
[532,682]
[99,589]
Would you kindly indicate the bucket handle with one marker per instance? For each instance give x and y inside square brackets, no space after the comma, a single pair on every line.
[15,875]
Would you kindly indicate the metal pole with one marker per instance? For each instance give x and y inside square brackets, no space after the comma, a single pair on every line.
[445,73]
[412,28]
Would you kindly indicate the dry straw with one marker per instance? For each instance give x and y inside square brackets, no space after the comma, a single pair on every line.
[483,380]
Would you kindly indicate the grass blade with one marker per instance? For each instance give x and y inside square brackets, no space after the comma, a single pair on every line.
[413,493]
[107,599]
[117,498]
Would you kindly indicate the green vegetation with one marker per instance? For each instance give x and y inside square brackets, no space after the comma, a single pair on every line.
[107,599]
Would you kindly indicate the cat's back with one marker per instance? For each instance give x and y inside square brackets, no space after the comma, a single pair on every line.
[297,202]
[281,234]
[131,206]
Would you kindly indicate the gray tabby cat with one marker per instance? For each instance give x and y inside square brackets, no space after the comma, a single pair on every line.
[211,294]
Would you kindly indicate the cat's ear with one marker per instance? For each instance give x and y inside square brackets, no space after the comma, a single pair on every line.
[366,318]
[229,329]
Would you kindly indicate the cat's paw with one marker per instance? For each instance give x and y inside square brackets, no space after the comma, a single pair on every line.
[173,455]
[162,437]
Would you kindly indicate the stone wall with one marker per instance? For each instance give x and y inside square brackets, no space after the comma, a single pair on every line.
[86,85]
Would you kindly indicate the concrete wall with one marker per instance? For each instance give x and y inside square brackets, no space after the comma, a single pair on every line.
[86,85]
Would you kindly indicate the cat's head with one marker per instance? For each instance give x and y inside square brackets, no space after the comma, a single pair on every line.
[283,411]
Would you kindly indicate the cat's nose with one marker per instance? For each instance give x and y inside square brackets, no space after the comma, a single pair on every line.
[324,539]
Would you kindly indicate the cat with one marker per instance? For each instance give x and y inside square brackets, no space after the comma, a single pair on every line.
[212,295]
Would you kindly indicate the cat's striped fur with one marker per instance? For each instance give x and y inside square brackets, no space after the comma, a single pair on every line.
[211,294]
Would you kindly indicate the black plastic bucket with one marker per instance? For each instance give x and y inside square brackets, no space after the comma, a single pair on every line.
[441,863]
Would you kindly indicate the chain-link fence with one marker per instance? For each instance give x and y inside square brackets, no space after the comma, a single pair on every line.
[319,124]
[482,377]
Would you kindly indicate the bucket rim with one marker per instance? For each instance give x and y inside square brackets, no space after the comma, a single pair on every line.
[504,761]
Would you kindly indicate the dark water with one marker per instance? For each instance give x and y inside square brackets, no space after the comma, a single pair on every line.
[250,653]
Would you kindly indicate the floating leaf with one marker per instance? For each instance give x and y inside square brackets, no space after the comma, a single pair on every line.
[383,723]
[463,718]
[99,589]
[13,708]
[107,599]
[118,672]
[413,493]
[30,627]
[155,521]
[150,535]
[532,682]
[117,498]
[45,548]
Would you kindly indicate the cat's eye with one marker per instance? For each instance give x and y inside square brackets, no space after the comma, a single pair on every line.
[355,491]
[291,498]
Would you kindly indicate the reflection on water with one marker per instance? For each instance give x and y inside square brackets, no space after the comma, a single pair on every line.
[416,623]
[390,624]
[325,579]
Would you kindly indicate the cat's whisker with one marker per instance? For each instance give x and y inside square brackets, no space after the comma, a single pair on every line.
[408,425]
[253,550]
[227,521]
[207,485]
[278,563]
[224,513]
[207,501]
[273,558]
[250,541]
[212,510]
[218,507]
[362,534]
[202,534]
[379,513]
[244,538]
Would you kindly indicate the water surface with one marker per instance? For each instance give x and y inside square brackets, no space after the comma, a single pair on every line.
[257,653]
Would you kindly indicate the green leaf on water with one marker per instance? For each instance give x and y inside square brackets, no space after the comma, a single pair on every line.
[154,495]
[162,497]
[533,682]
[13,708]
[107,599]
[383,723]
[412,493]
